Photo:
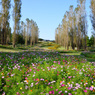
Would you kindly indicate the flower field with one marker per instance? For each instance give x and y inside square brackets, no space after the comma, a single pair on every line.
[45,73]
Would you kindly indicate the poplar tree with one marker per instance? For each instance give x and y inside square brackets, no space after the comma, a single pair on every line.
[65,30]
[82,24]
[16,17]
[92,16]
[71,26]
[5,16]
[27,33]
[56,36]
[23,29]
[36,33]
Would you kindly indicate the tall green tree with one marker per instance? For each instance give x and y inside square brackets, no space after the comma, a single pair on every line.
[16,17]
[23,29]
[65,30]
[92,16]
[83,22]
[56,35]
[71,26]
[27,33]
[5,16]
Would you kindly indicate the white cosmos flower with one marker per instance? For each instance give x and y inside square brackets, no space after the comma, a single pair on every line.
[80,73]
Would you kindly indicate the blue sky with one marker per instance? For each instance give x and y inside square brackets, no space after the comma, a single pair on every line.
[48,14]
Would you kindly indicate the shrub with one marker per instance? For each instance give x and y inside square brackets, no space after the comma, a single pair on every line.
[57,46]
[50,44]
[53,48]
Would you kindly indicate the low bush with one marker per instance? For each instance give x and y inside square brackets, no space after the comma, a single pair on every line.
[50,44]
[57,46]
[89,55]
[53,48]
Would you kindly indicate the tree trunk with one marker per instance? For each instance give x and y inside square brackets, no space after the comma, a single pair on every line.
[67,47]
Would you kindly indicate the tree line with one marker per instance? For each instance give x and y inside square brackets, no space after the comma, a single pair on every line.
[29,32]
[24,33]
[72,32]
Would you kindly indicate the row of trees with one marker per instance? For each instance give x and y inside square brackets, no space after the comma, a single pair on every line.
[29,32]
[92,16]
[73,29]
[22,33]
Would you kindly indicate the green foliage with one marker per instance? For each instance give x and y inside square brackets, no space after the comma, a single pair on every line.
[89,55]
[91,41]
[20,39]
[92,16]
[40,39]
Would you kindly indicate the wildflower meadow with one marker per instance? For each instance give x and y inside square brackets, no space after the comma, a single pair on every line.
[45,73]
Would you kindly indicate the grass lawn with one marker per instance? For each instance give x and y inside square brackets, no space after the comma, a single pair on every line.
[8,50]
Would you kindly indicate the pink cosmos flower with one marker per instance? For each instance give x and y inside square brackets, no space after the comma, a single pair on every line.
[59,63]
[56,89]
[63,85]
[63,60]
[69,77]
[91,88]
[85,91]
[69,88]
[50,92]
[26,78]
[18,93]
[2,76]
[59,92]
[51,87]
[36,83]
[54,61]
[87,88]
[69,94]
[3,93]
[22,92]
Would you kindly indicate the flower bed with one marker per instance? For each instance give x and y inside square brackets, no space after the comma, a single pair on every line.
[46,73]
